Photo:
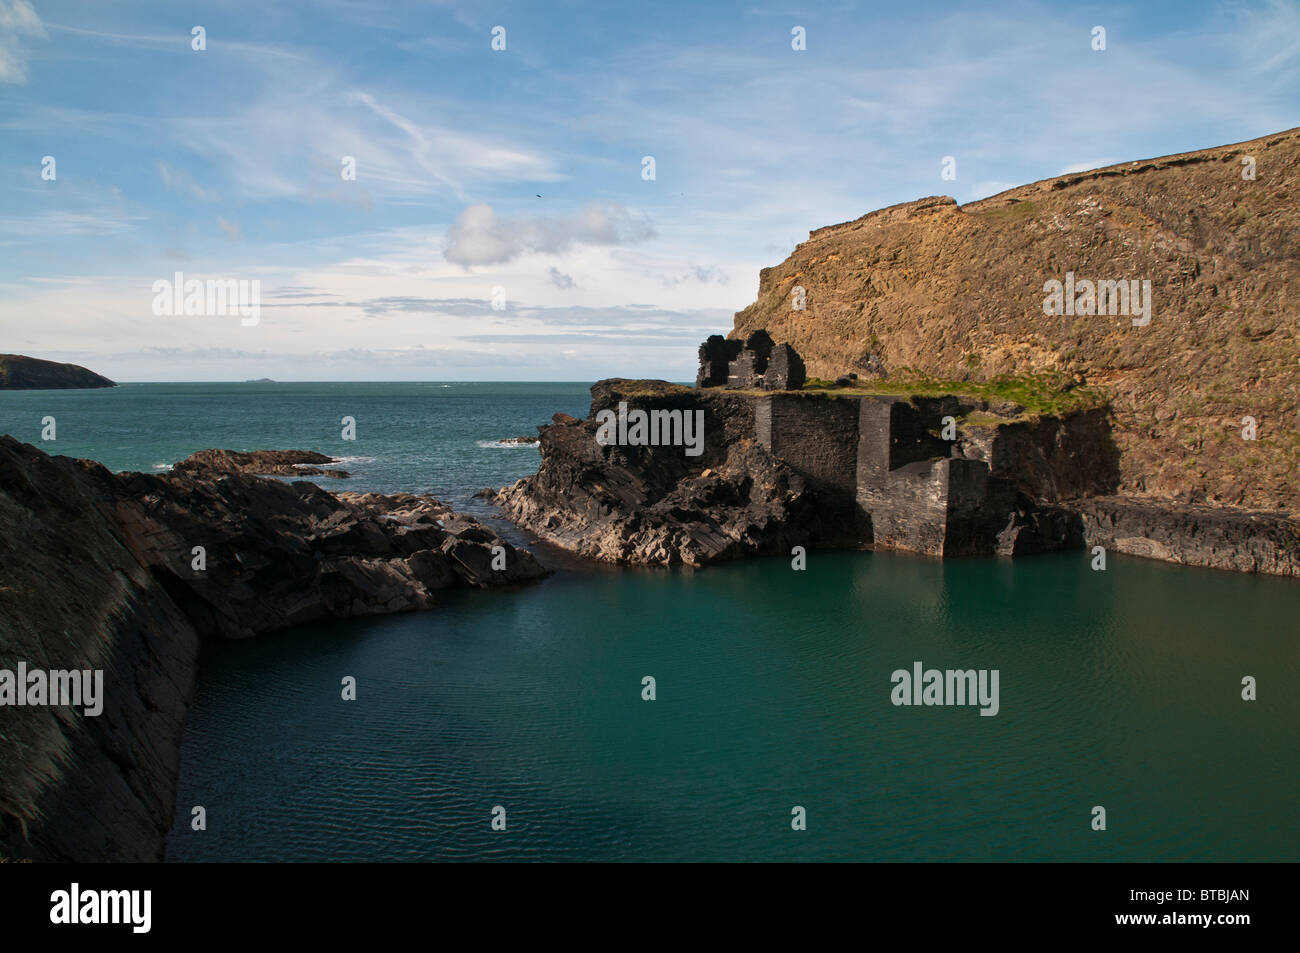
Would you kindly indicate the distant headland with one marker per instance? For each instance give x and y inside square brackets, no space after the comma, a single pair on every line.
[19,372]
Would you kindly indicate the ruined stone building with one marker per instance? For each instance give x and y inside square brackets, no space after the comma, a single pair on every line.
[757,364]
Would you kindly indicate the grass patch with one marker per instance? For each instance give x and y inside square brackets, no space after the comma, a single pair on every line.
[647,388]
[1017,212]
[1051,395]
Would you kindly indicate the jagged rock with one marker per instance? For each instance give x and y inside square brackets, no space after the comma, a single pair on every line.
[651,505]
[871,366]
[99,572]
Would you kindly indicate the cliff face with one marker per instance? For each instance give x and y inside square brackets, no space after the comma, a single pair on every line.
[958,293]
[30,373]
[97,571]
[73,595]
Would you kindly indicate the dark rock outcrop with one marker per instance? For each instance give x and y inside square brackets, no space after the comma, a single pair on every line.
[74,595]
[127,572]
[1193,535]
[18,372]
[297,463]
[645,505]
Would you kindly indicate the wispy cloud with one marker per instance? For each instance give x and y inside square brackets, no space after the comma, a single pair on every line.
[18,19]
[179,179]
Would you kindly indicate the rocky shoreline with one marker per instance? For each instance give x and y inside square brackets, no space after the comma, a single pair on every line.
[1192,535]
[785,469]
[128,573]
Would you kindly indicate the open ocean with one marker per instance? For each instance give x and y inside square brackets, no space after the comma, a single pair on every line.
[1119,688]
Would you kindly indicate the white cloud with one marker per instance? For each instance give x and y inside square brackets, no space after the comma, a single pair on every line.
[480,237]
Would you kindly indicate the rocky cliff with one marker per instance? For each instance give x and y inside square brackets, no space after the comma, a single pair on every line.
[127,572]
[958,292]
[31,373]
[654,505]
[784,469]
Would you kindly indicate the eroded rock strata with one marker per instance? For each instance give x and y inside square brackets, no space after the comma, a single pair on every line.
[958,292]
[97,571]
[1194,535]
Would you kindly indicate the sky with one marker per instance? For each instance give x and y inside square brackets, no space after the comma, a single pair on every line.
[502,223]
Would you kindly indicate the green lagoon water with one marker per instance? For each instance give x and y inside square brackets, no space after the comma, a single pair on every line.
[1118,688]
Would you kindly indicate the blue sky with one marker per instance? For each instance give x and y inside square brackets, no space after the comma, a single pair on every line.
[521,169]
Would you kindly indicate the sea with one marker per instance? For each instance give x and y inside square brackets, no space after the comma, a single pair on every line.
[742,712]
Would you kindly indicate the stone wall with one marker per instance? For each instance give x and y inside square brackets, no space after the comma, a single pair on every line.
[818,438]
[758,364]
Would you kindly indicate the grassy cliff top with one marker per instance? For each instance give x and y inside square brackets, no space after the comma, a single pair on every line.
[1039,395]
[1009,397]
